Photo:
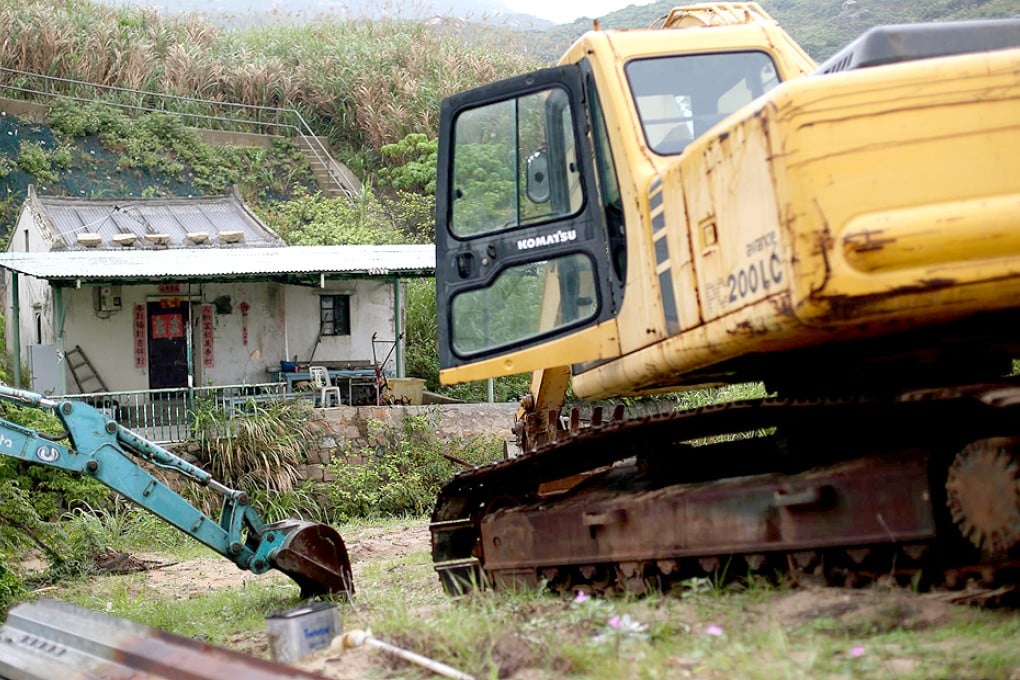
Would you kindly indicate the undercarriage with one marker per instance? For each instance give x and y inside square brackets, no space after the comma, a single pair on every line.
[920,488]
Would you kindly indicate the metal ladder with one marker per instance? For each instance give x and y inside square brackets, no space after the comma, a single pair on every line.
[76,360]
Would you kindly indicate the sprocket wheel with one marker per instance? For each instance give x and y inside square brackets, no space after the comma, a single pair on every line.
[983,494]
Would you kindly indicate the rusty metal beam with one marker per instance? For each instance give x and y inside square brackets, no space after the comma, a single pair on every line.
[48,639]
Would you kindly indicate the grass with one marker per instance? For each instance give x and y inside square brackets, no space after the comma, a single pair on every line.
[760,632]
[216,617]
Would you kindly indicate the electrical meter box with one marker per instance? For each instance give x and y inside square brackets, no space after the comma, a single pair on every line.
[108,299]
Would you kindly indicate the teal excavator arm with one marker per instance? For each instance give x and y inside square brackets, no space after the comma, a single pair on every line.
[314,555]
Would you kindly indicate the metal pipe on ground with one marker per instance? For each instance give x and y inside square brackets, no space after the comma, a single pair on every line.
[356,638]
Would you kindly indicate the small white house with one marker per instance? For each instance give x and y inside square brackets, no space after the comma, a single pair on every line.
[146,294]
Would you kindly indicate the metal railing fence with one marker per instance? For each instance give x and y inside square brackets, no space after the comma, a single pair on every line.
[168,416]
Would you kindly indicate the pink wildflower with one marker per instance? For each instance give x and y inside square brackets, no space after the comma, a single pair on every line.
[857,651]
[614,622]
[714,630]
[581,597]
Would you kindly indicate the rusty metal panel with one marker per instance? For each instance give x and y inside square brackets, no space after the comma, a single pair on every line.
[861,503]
[48,639]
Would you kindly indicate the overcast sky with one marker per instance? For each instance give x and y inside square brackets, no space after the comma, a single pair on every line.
[565,11]
[557,11]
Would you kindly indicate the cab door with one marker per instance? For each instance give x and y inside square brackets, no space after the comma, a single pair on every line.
[521,240]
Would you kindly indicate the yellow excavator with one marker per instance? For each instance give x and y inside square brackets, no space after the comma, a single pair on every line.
[701,204]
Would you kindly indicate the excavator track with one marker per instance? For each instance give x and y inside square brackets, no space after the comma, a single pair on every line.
[918,487]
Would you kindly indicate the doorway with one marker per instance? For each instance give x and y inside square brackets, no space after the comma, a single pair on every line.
[168,343]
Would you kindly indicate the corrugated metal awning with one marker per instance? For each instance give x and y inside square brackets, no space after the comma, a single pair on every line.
[289,263]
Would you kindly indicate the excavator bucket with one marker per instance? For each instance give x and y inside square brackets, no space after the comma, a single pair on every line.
[314,555]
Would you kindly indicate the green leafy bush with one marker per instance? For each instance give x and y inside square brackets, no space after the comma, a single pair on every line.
[413,164]
[69,547]
[300,502]
[12,588]
[402,470]
[74,118]
[36,161]
[312,219]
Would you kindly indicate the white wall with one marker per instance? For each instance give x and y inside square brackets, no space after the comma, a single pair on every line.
[107,338]
[371,312]
[26,237]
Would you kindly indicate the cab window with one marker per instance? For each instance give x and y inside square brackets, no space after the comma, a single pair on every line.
[678,98]
[514,164]
[525,302]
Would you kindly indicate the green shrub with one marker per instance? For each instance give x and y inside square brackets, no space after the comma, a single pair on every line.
[68,544]
[314,220]
[402,469]
[413,162]
[36,161]
[74,118]
[62,157]
[300,502]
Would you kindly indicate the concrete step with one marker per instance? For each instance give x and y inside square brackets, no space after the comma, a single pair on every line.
[337,180]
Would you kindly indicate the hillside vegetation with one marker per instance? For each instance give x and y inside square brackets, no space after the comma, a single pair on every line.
[363,83]
[360,82]
[821,27]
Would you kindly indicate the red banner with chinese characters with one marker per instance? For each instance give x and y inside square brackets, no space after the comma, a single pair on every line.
[166,326]
[208,326]
[139,330]
[244,321]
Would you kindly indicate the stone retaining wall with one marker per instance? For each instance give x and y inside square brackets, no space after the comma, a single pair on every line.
[338,428]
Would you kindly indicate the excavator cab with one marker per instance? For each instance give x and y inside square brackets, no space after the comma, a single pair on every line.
[531,243]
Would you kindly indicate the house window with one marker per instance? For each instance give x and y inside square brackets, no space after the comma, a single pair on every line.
[334,315]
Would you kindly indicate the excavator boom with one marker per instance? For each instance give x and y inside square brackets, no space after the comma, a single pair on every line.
[314,555]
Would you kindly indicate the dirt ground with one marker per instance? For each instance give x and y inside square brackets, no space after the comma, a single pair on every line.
[191,578]
[872,609]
